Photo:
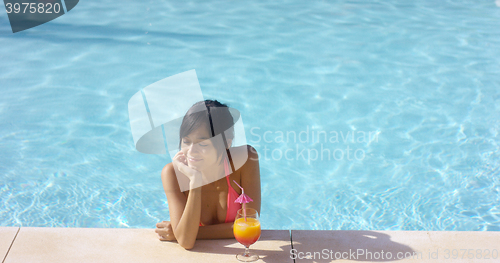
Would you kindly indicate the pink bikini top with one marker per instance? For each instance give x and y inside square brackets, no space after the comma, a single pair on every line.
[232,195]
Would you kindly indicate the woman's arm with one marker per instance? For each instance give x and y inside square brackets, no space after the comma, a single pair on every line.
[184,212]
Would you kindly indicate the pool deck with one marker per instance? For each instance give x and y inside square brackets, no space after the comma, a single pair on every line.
[39,244]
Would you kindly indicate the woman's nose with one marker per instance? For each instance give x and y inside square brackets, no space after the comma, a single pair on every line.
[193,148]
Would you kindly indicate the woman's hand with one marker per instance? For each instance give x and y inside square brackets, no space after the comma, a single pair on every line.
[194,176]
[165,232]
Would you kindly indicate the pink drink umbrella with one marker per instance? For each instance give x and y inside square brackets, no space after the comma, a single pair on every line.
[243,199]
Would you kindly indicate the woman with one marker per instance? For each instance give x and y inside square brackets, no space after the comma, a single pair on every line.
[207,210]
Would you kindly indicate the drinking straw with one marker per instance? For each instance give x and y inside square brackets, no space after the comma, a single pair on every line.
[243,199]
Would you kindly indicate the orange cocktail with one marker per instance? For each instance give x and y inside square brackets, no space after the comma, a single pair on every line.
[246,232]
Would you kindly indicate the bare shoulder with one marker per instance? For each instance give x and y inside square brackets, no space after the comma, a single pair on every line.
[244,155]
[167,171]
[169,178]
[246,159]
[252,153]
[173,180]
[252,162]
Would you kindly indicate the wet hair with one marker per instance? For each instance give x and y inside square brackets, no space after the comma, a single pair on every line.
[213,116]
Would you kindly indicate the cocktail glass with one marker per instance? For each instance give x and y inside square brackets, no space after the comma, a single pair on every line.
[246,230]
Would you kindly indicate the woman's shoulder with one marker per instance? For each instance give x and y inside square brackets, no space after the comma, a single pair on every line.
[167,169]
[243,148]
[173,180]
[168,175]
[243,155]
[243,151]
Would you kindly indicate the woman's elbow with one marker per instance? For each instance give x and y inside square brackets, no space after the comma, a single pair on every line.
[186,244]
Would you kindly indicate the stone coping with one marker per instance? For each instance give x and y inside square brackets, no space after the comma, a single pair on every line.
[40,244]
[7,236]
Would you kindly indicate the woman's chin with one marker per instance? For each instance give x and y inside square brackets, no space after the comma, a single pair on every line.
[195,165]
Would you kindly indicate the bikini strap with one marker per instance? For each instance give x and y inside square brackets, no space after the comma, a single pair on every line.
[226,171]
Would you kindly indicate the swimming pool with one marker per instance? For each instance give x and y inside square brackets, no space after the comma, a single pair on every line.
[380,115]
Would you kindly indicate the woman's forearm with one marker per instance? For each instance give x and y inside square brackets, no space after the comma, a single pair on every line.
[187,229]
[218,231]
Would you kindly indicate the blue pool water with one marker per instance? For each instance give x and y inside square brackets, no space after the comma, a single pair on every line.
[375,115]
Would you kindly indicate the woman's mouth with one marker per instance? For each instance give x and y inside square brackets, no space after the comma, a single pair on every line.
[192,160]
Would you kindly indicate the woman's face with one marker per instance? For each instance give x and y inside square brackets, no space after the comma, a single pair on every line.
[199,150]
